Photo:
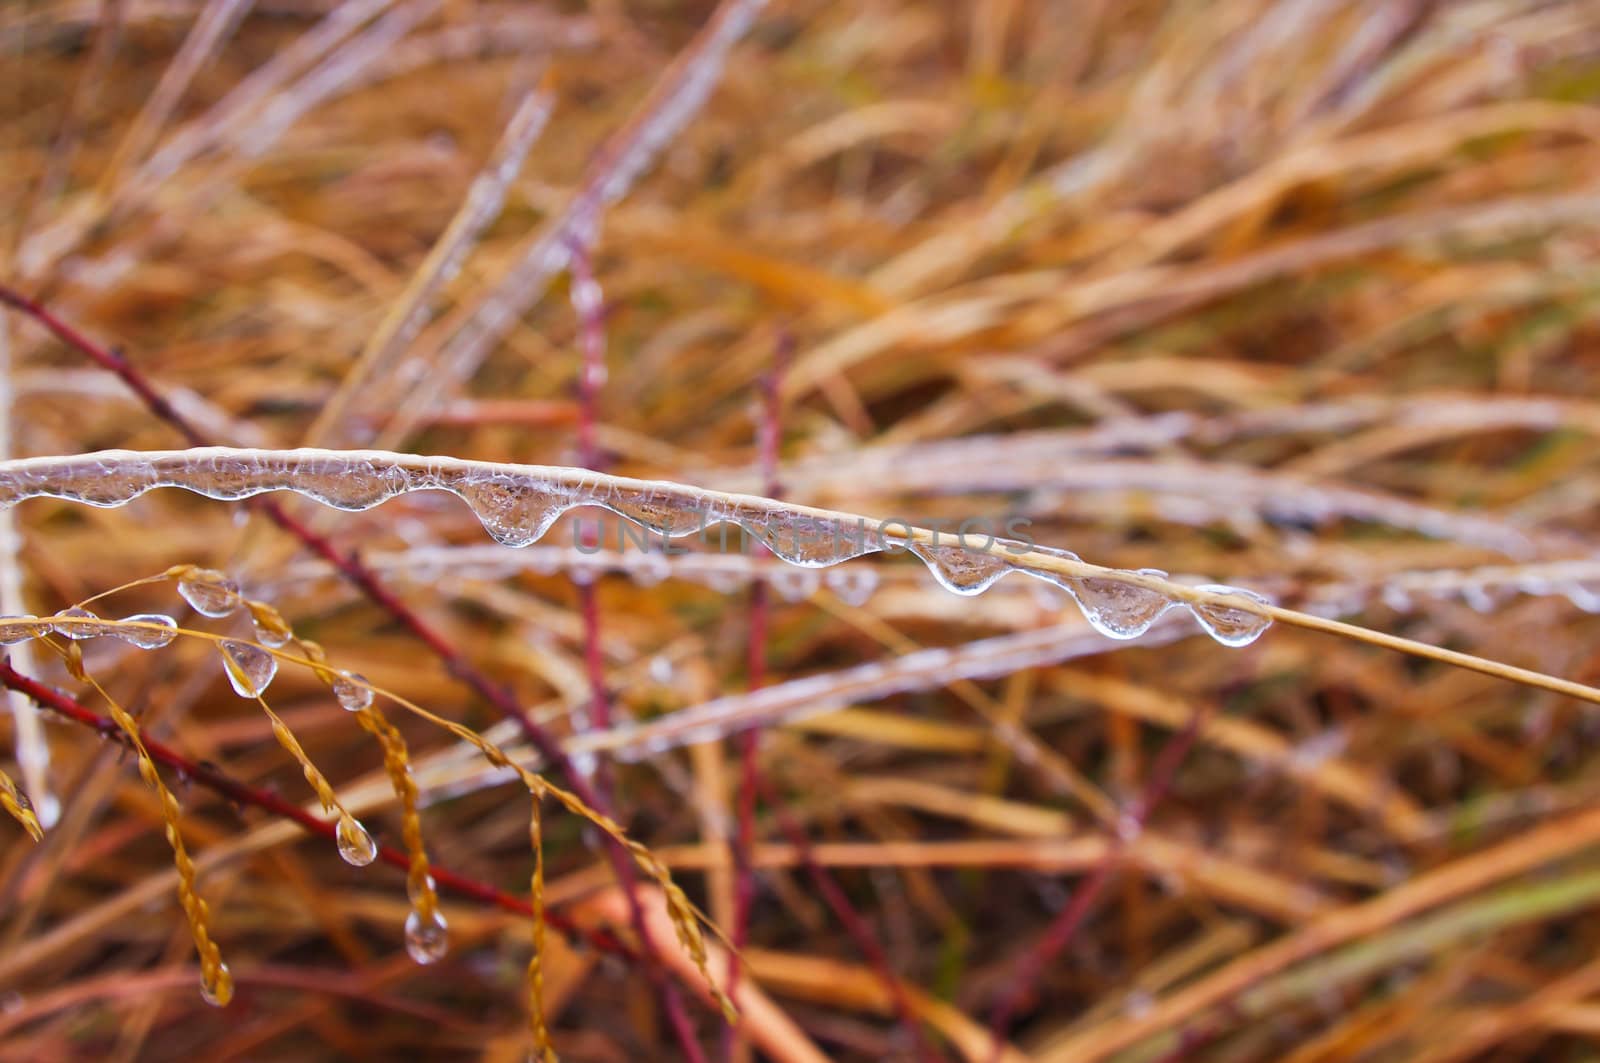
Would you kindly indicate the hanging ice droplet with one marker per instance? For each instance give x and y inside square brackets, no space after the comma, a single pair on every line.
[210,593]
[650,570]
[15,629]
[355,844]
[794,584]
[47,807]
[1228,624]
[250,668]
[723,580]
[1584,595]
[1119,610]
[159,630]
[270,627]
[515,513]
[961,570]
[352,691]
[427,941]
[216,987]
[90,627]
[852,584]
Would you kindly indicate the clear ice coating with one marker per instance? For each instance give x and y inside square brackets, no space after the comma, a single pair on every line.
[216,988]
[270,634]
[351,691]
[155,631]
[1230,625]
[427,940]
[1120,610]
[517,504]
[961,570]
[854,585]
[210,593]
[84,625]
[794,584]
[250,668]
[15,629]
[355,844]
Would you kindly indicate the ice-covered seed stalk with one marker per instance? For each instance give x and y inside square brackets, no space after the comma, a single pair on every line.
[517,504]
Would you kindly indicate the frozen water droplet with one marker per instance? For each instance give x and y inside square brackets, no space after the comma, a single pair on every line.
[15,629]
[1396,599]
[650,569]
[87,629]
[1227,624]
[960,570]
[47,809]
[355,844]
[1119,610]
[661,670]
[1479,597]
[210,593]
[216,988]
[723,580]
[427,940]
[794,584]
[250,668]
[852,584]
[159,631]
[270,635]
[352,691]
[513,512]
[1584,595]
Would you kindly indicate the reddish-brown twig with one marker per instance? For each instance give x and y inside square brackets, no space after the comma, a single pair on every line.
[1065,925]
[851,920]
[587,303]
[768,435]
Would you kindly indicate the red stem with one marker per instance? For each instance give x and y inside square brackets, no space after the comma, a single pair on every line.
[768,435]
[1065,925]
[856,926]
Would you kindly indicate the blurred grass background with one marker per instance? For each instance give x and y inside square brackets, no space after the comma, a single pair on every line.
[1293,294]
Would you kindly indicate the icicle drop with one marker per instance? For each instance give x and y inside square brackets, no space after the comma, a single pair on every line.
[723,580]
[15,629]
[513,513]
[269,626]
[794,584]
[1584,595]
[1396,599]
[210,593]
[853,584]
[960,570]
[352,691]
[427,940]
[250,668]
[160,630]
[85,630]
[650,570]
[216,987]
[355,844]
[1229,625]
[1119,610]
